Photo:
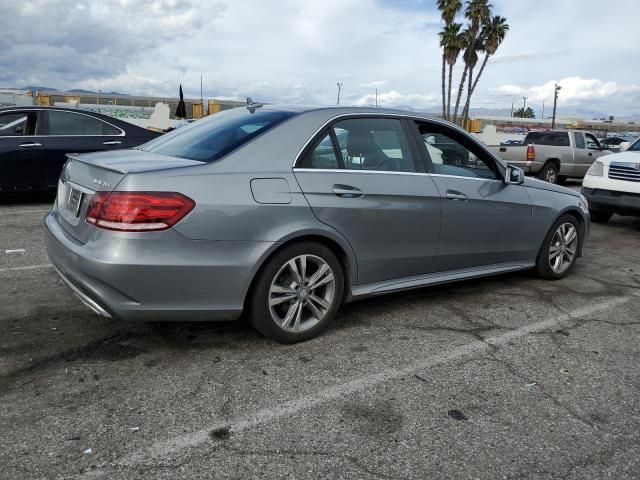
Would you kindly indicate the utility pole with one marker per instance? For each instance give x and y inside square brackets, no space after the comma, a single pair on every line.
[542,117]
[339,84]
[376,98]
[524,104]
[511,109]
[555,101]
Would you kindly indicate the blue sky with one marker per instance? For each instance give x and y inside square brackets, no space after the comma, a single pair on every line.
[295,51]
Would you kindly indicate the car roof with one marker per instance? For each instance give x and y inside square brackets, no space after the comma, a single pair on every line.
[130,127]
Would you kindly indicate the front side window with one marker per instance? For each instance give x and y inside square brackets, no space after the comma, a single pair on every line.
[592,142]
[217,135]
[374,144]
[452,154]
[70,123]
[579,138]
[17,124]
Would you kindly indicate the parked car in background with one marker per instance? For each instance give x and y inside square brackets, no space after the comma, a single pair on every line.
[612,185]
[612,143]
[34,142]
[511,142]
[287,212]
[554,156]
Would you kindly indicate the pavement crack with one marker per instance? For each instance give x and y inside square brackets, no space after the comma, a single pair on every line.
[570,411]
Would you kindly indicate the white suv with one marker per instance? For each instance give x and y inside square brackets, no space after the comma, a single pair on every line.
[612,184]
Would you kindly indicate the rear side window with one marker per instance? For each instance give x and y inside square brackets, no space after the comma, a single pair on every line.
[216,136]
[323,155]
[16,124]
[557,139]
[70,123]
[579,138]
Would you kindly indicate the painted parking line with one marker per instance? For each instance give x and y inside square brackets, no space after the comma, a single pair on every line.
[26,267]
[16,212]
[164,448]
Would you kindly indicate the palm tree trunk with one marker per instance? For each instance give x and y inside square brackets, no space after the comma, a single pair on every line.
[448,117]
[465,110]
[484,64]
[460,90]
[444,66]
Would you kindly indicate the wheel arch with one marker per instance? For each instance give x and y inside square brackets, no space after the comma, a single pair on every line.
[582,224]
[338,245]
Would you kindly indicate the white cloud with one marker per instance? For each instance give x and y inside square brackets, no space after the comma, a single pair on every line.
[296,51]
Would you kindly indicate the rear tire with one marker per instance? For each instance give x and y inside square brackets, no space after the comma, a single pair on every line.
[297,293]
[549,173]
[600,216]
[560,249]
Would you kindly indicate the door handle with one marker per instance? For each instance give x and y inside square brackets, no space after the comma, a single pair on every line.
[30,145]
[454,195]
[590,154]
[347,191]
[112,142]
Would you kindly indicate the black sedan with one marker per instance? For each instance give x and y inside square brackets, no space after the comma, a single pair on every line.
[34,142]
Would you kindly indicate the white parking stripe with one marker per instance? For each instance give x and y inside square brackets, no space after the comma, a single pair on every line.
[26,267]
[15,212]
[266,415]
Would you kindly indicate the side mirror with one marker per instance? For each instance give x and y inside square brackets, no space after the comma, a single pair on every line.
[514,175]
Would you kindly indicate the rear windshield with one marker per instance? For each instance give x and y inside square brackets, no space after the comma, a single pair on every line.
[213,137]
[558,139]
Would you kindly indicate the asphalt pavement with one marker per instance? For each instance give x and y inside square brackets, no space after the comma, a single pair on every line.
[500,378]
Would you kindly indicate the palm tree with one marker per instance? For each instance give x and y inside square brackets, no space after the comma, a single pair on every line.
[477,12]
[451,41]
[448,9]
[493,33]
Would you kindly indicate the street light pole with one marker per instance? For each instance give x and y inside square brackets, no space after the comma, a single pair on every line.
[339,84]
[555,101]
[524,104]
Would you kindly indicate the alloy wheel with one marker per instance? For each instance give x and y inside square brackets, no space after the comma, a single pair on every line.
[301,293]
[562,250]
[551,175]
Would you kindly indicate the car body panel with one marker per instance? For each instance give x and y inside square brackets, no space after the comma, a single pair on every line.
[611,192]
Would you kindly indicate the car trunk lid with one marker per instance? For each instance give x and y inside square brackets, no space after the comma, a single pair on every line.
[83,175]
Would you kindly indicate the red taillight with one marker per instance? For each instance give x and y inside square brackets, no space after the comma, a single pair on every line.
[138,211]
[531,153]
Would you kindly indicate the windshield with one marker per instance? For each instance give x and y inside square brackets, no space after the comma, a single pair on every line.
[635,146]
[214,137]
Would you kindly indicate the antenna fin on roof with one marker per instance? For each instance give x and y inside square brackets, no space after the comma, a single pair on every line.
[251,105]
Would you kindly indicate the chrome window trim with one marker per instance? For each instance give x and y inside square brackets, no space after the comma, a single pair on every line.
[385,172]
[121,134]
[443,123]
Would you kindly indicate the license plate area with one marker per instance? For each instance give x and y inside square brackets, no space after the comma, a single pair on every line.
[74,201]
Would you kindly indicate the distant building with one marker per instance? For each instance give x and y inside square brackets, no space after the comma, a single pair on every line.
[126,106]
[12,96]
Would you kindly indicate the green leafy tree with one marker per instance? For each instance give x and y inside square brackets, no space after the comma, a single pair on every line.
[493,33]
[524,113]
[449,9]
[451,40]
[477,13]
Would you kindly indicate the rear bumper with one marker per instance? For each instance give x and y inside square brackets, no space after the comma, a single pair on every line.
[622,203]
[155,276]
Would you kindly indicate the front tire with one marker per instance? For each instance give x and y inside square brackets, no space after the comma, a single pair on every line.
[559,249]
[549,173]
[297,293]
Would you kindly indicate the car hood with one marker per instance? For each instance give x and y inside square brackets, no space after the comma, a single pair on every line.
[132,161]
[542,185]
[624,157]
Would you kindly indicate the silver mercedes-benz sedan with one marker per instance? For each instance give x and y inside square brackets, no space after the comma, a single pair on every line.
[286,213]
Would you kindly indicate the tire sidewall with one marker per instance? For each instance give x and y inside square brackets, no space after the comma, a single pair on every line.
[260,314]
[542,262]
